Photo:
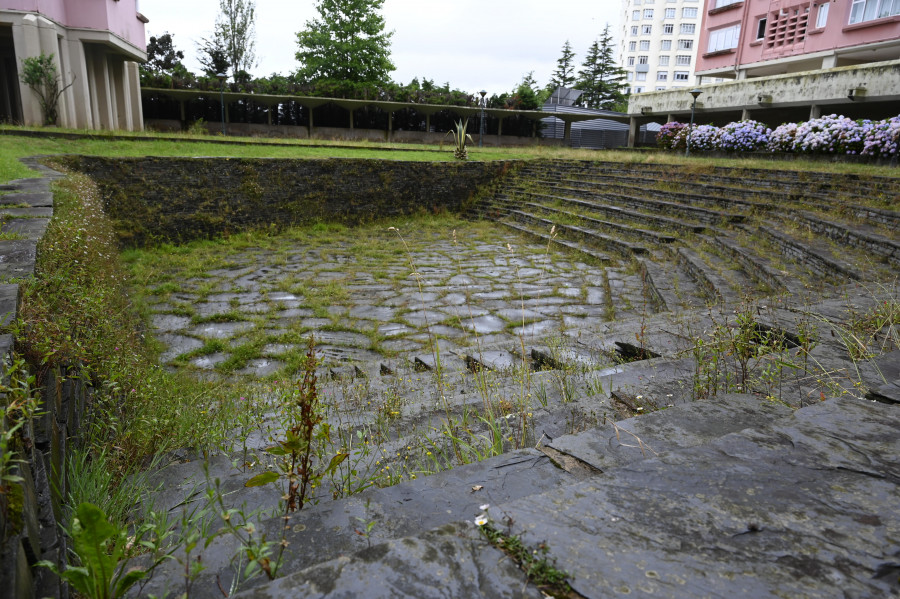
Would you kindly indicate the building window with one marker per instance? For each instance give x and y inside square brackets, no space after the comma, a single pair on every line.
[665,45]
[638,90]
[635,15]
[660,88]
[689,12]
[683,59]
[822,15]
[662,76]
[687,28]
[645,44]
[640,76]
[868,10]
[648,13]
[634,30]
[685,44]
[721,3]
[670,13]
[630,62]
[724,39]
[663,61]
[668,28]
[632,46]
[643,59]
[629,76]
[645,29]
[761,28]
[682,76]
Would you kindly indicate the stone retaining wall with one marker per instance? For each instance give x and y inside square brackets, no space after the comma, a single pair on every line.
[31,509]
[179,199]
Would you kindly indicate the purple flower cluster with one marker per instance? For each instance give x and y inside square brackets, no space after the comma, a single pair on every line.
[882,138]
[665,139]
[832,134]
[743,136]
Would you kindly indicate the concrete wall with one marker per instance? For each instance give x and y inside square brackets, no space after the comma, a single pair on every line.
[117,16]
[178,199]
[784,97]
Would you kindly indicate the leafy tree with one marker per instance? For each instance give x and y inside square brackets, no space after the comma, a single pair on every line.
[213,56]
[601,79]
[162,57]
[346,44]
[564,75]
[236,34]
[39,73]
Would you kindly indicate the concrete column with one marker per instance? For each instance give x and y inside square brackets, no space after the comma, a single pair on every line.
[427,123]
[133,84]
[390,129]
[81,94]
[745,114]
[500,126]
[633,128]
[815,111]
[670,118]
[310,132]
[121,98]
[101,90]
[27,43]
[351,111]
[829,62]
[567,132]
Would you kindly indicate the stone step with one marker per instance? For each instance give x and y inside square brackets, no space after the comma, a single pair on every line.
[816,256]
[587,235]
[598,224]
[670,524]
[857,236]
[573,246]
[607,207]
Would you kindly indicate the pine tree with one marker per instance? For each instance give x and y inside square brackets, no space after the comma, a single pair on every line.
[601,79]
[564,75]
[346,44]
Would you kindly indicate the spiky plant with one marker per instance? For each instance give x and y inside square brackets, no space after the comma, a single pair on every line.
[459,137]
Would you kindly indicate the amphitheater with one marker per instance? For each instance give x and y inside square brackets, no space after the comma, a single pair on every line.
[667,381]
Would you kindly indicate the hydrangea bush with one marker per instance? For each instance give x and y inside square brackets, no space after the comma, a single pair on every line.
[744,136]
[831,134]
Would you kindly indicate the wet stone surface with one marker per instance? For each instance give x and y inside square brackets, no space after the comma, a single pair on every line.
[460,292]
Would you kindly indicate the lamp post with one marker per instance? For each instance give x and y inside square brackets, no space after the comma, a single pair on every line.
[481,128]
[695,93]
[222,77]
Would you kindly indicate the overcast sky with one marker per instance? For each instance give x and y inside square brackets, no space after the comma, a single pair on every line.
[472,44]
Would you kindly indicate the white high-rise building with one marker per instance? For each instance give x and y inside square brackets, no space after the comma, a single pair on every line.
[659,43]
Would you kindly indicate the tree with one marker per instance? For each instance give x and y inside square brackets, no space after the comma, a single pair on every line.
[602,79]
[346,44]
[162,57]
[564,75]
[39,73]
[236,34]
[213,56]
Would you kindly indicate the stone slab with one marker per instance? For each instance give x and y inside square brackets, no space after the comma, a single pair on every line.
[452,562]
[802,508]
[680,426]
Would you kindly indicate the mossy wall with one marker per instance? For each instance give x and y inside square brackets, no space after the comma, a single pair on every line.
[178,199]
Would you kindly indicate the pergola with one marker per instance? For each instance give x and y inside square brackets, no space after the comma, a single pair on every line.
[311,102]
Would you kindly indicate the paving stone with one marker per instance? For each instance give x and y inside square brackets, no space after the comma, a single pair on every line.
[536,329]
[492,360]
[380,313]
[393,329]
[209,362]
[204,309]
[315,323]
[221,330]
[484,324]
[177,345]
[261,367]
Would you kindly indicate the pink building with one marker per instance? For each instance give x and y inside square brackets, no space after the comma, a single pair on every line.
[96,45]
[743,39]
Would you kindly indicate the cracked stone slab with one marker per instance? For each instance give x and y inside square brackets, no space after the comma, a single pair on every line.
[677,427]
[451,562]
[798,508]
